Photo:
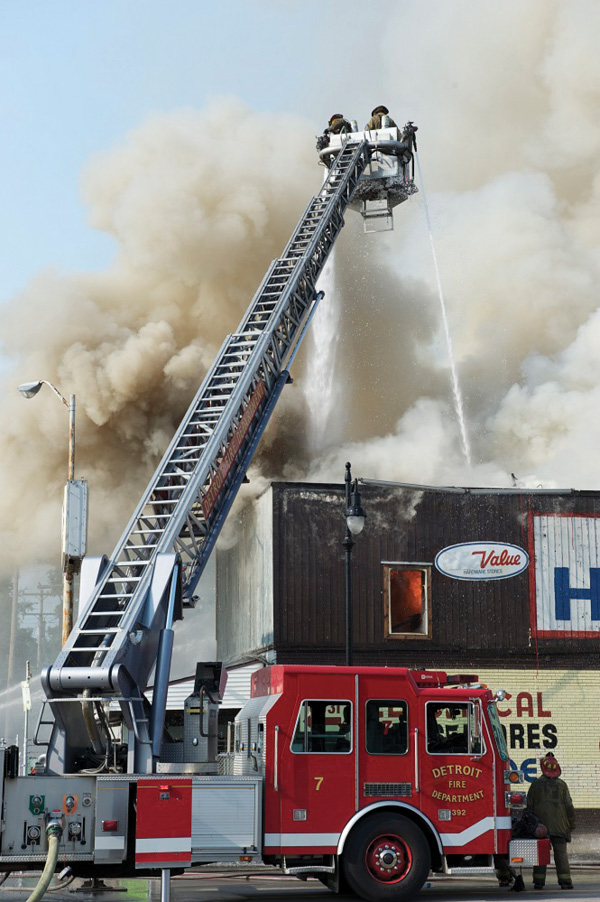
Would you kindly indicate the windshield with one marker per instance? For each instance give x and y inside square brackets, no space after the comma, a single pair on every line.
[497,731]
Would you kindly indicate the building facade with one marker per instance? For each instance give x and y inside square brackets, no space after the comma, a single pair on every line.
[502,583]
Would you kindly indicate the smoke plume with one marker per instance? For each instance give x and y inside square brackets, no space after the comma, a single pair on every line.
[197,220]
[509,140]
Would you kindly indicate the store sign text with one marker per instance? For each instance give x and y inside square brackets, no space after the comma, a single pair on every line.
[528,736]
[482,560]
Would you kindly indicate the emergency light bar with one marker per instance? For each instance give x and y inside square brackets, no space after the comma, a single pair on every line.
[438,678]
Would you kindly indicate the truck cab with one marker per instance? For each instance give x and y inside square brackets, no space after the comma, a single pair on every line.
[377,774]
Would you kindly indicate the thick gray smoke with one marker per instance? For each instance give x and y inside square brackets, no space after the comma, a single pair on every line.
[197,222]
[507,98]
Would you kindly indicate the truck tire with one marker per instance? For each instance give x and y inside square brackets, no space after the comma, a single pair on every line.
[386,857]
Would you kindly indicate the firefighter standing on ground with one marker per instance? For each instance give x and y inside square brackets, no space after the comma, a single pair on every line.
[550,800]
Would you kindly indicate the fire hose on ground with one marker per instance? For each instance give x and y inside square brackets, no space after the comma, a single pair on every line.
[53,832]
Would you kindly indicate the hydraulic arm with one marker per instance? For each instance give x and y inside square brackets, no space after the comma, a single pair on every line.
[129,602]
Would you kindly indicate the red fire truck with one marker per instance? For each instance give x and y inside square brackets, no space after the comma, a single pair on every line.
[364,776]
[375,776]
[367,777]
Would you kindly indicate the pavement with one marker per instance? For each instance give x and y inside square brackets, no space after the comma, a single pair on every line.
[225,886]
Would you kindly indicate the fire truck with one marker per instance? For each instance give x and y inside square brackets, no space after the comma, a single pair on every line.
[363,777]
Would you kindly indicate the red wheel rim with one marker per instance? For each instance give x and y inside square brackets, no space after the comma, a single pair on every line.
[388,858]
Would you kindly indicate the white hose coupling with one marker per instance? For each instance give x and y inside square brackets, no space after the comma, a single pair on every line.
[54,826]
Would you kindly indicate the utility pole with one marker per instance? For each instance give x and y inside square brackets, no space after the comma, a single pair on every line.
[10,670]
[75,508]
[42,593]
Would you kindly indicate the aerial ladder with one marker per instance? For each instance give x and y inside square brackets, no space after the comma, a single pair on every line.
[128,603]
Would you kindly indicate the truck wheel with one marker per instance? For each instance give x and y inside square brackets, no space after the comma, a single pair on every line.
[386,857]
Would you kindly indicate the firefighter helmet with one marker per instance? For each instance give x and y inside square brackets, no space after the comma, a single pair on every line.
[550,766]
[380,109]
[336,116]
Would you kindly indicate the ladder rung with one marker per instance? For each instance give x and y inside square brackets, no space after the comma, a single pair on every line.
[126,563]
[155,516]
[120,563]
[145,532]
[80,650]
[223,385]
[124,579]
[113,595]
[102,631]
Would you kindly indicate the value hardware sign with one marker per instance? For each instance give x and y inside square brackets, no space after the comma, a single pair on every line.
[482,560]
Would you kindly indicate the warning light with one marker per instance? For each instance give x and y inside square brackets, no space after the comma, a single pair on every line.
[457,679]
[517,860]
[513,776]
[110,826]
[515,799]
[245,857]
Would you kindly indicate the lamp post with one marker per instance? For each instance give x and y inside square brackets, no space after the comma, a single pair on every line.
[74,525]
[355,521]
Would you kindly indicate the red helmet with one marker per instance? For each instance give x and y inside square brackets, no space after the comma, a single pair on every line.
[550,766]
[336,116]
[380,109]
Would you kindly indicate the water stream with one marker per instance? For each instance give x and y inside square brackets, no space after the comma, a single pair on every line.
[458,403]
[320,388]
[11,709]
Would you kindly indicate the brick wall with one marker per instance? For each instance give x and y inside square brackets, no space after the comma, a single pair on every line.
[558,711]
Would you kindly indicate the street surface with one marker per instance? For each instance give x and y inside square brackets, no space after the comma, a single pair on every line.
[219,886]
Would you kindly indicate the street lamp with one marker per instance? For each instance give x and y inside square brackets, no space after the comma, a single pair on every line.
[355,521]
[74,519]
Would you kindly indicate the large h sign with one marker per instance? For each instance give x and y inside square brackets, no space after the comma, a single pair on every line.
[565,589]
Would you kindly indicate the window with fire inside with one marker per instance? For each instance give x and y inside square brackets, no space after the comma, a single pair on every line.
[407,601]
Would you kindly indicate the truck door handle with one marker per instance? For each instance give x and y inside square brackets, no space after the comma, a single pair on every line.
[416,759]
[276,762]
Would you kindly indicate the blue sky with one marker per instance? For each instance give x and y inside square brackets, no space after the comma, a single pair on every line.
[77,76]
